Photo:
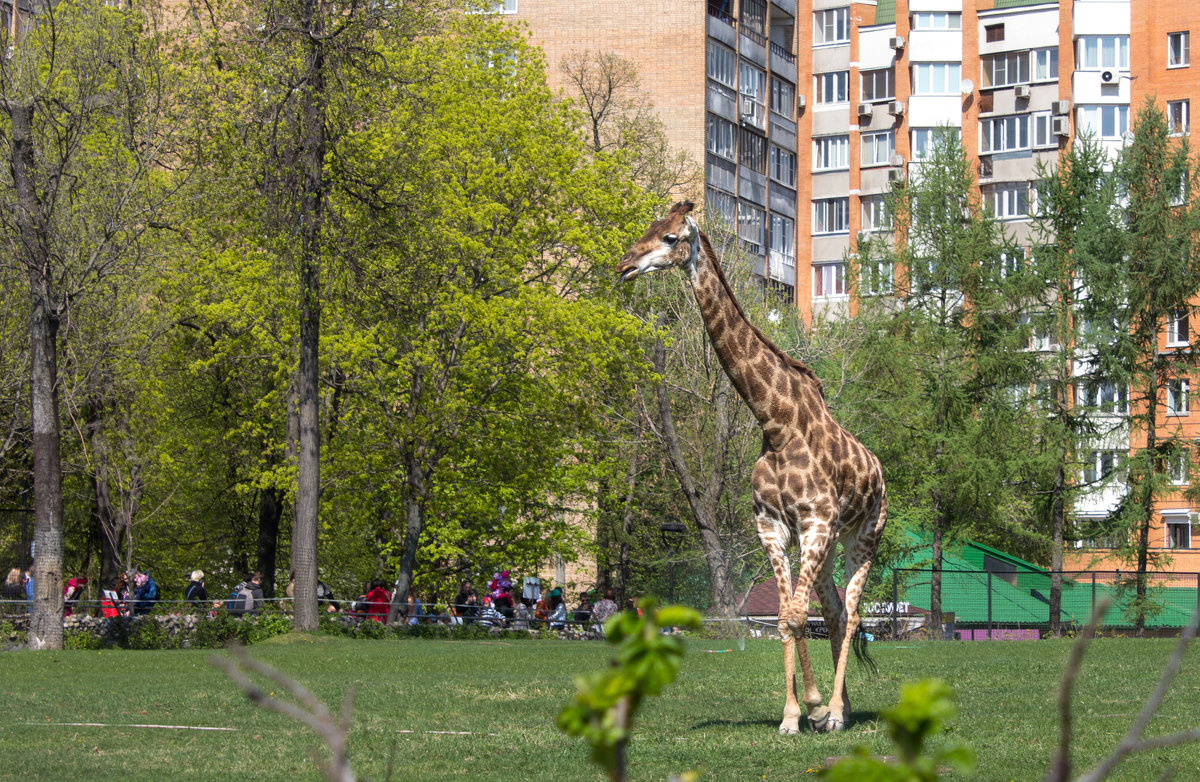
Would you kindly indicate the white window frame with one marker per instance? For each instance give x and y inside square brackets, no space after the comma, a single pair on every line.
[722,64]
[752,227]
[1005,69]
[783,97]
[1178,522]
[1179,49]
[876,277]
[941,78]
[832,84]
[1105,396]
[722,204]
[923,139]
[831,216]
[782,239]
[875,216]
[1095,118]
[1177,397]
[1003,134]
[752,82]
[831,26]
[831,153]
[722,137]
[872,78]
[1008,201]
[1044,65]
[1177,468]
[1102,53]
[1042,126]
[1100,464]
[829,280]
[781,165]
[936,20]
[1178,333]
[1178,117]
[878,148]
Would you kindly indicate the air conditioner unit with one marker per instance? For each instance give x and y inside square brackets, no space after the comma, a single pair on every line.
[1060,126]
[896,107]
[1060,106]
[1022,92]
[895,174]
[864,109]
[896,160]
[1107,76]
[896,42]
[800,102]
[747,106]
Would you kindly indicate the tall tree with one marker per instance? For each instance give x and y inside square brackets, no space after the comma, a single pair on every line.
[1159,275]
[947,315]
[80,96]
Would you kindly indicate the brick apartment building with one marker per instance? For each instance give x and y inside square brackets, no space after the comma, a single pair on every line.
[805,112]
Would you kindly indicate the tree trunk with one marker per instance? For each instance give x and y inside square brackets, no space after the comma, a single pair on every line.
[414,522]
[308,489]
[935,574]
[1057,521]
[270,510]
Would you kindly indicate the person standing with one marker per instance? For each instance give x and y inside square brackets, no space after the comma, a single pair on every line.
[604,608]
[195,594]
[378,601]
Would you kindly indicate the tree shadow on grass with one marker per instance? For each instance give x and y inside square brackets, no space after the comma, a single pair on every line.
[856,718]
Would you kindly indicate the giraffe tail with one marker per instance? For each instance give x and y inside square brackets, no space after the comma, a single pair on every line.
[862,654]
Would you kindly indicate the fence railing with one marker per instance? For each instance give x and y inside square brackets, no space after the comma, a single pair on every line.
[990,603]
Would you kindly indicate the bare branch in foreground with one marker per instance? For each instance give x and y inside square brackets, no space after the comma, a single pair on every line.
[310,711]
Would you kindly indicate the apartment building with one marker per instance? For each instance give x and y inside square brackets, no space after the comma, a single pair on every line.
[805,113]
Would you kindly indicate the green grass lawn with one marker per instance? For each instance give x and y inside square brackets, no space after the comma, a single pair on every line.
[415,696]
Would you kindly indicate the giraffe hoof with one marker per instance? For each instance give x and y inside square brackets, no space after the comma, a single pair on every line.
[790,726]
[822,720]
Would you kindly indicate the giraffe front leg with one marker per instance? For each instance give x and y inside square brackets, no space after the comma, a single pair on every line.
[772,535]
[816,546]
[832,610]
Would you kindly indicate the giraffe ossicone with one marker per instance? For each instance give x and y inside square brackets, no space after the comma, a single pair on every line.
[814,485]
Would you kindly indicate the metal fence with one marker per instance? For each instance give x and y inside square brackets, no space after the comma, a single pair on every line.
[982,604]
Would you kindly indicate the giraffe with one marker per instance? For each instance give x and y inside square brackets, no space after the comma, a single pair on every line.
[814,485]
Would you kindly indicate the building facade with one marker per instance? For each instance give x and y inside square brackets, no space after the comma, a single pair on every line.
[805,113]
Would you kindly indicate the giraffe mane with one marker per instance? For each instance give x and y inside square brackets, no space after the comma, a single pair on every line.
[787,359]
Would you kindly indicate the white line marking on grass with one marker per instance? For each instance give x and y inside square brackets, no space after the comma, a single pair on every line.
[121,725]
[447,733]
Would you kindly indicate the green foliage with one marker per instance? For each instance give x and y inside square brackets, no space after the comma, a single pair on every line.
[923,708]
[647,661]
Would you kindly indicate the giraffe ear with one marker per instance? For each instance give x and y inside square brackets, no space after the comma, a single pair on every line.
[693,230]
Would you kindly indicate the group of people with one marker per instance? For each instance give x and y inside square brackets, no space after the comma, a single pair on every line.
[499,608]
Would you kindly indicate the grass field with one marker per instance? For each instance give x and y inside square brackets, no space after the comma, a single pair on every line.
[720,716]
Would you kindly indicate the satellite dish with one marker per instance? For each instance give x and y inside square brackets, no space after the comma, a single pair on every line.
[966,86]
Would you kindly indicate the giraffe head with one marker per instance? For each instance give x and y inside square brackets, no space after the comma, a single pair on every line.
[671,241]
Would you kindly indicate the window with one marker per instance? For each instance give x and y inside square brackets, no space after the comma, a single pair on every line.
[1097,52]
[1106,122]
[923,140]
[1042,339]
[1177,397]
[829,280]
[937,20]
[993,33]
[1104,396]
[1002,134]
[754,15]
[1099,465]
[1178,46]
[722,205]
[783,239]
[879,84]
[1177,329]
[833,87]
[877,148]
[1178,528]
[936,78]
[1177,117]
[1045,64]
[752,151]
[722,137]
[831,153]
[1177,468]
[750,227]
[875,277]
[831,26]
[1042,130]
[783,97]
[1007,202]
[500,7]
[831,215]
[1001,70]
[781,165]
[875,216]
[753,82]
[722,64]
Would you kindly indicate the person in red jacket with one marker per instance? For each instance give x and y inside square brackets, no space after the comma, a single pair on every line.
[378,601]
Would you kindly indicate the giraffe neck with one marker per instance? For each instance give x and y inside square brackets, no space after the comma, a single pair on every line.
[764,376]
